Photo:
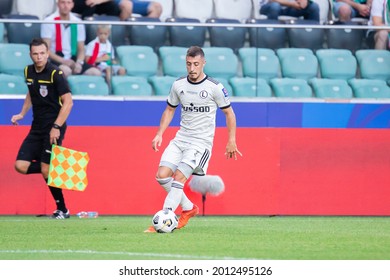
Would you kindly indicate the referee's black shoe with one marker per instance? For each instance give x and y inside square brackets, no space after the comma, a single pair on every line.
[59,215]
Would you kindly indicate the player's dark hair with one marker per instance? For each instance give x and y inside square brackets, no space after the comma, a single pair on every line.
[38,42]
[195,51]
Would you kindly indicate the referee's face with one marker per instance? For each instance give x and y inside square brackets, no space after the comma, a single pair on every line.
[39,55]
[195,67]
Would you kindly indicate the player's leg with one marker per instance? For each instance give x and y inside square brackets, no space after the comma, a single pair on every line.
[28,157]
[62,211]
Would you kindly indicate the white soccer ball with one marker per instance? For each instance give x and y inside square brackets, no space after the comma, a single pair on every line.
[165,221]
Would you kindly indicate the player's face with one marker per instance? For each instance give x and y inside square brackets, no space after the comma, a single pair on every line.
[39,55]
[195,67]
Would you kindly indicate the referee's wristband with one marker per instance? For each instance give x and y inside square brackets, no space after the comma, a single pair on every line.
[56,126]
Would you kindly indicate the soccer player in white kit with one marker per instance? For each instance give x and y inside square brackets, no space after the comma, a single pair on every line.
[199,97]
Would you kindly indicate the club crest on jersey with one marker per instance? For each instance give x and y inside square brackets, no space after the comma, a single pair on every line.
[225,92]
[43,91]
[203,94]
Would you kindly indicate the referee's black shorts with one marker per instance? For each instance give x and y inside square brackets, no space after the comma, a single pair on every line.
[36,146]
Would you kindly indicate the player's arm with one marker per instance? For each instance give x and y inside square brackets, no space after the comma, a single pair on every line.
[165,120]
[67,104]
[231,147]
[26,107]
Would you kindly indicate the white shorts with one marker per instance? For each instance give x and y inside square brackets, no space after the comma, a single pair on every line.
[186,157]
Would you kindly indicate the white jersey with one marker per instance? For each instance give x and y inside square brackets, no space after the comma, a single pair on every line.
[199,103]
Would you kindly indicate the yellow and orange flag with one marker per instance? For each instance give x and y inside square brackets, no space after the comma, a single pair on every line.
[68,169]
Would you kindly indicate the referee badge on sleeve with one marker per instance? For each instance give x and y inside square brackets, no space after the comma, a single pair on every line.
[68,169]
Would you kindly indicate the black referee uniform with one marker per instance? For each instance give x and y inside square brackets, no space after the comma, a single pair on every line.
[45,88]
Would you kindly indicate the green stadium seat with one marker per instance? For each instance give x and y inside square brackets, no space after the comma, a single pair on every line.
[12,84]
[299,63]
[88,85]
[138,60]
[173,61]
[331,88]
[374,64]
[370,88]
[220,62]
[14,58]
[2,32]
[337,64]
[161,84]
[131,86]
[260,63]
[250,87]
[291,88]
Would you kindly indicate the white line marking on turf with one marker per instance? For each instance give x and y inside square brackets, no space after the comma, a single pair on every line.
[90,252]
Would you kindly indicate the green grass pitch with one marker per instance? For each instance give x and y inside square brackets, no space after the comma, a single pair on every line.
[204,238]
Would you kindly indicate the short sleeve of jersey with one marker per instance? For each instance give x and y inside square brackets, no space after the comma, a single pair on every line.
[61,83]
[173,98]
[221,96]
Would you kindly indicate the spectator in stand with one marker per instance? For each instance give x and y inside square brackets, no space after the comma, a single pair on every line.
[380,16]
[345,10]
[307,9]
[121,8]
[66,41]
[100,53]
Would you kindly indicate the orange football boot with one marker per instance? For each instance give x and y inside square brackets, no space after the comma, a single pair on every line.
[186,215]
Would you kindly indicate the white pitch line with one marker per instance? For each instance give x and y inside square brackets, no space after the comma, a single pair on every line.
[90,252]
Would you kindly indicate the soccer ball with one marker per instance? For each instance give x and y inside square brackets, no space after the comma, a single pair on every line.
[165,221]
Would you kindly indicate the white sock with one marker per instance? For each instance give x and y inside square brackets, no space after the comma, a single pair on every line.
[174,196]
[166,183]
[185,203]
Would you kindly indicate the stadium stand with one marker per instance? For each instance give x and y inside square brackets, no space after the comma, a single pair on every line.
[299,63]
[345,38]
[2,33]
[199,9]
[240,10]
[39,8]
[250,87]
[268,36]
[291,88]
[22,33]
[6,7]
[310,38]
[338,56]
[369,88]
[88,85]
[150,35]
[227,36]
[374,64]
[14,58]
[186,36]
[173,60]
[337,64]
[161,84]
[167,9]
[331,88]
[131,86]
[138,60]
[259,62]
[221,62]
[11,84]
[118,32]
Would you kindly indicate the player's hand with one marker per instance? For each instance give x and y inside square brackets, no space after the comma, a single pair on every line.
[16,118]
[54,135]
[232,151]
[156,142]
